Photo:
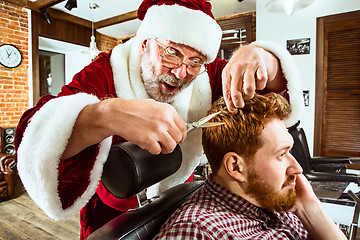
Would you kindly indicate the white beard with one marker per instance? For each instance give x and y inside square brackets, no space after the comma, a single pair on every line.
[152,83]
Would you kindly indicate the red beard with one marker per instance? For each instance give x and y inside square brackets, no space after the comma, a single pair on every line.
[267,196]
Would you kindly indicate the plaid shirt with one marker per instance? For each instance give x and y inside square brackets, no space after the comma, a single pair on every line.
[216,213]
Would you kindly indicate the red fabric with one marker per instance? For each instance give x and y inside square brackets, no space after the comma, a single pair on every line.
[73,181]
[94,215]
[96,79]
[215,77]
[114,202]
[26,118]
[190,178]
[201,5]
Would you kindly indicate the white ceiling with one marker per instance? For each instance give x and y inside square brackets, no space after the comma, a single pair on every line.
[52,45]
[111,8]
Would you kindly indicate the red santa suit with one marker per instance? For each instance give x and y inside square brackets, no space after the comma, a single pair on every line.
[62,188]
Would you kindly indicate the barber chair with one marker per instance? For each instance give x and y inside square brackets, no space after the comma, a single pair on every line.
[322,169]
[7,170]
[129,170]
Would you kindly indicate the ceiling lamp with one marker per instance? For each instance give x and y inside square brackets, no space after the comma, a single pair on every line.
[71,4]
[93,49]
[45,15]
[287,6]
[93,5]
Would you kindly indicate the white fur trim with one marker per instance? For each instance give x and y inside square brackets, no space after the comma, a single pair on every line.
[292,76]
[182,25]
[199,104]
[44,141]
[125,63]
[192,103]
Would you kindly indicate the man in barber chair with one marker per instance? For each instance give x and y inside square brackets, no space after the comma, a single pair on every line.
[256,189]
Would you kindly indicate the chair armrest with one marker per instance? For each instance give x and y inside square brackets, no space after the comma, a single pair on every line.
[330,160]
[9,177]
[355,160]
[331,177]
[7,162]
[334,168]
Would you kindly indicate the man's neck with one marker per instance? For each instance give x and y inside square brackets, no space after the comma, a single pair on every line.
[234,186]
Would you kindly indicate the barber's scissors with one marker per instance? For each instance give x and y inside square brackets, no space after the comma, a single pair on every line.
[203,122]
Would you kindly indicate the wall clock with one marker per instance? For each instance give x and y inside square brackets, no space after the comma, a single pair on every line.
[10,56]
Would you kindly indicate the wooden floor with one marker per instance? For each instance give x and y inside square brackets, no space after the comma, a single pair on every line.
[21,218]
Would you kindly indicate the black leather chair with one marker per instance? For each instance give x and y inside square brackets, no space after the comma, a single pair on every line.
[326,170]
[129,170]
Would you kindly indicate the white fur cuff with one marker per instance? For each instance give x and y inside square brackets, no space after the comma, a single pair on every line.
[39,153]
[292,76]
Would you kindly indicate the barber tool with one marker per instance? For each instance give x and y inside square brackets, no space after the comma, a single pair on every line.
[203,122]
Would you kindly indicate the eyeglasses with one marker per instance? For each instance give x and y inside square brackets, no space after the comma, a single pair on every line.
[170,58]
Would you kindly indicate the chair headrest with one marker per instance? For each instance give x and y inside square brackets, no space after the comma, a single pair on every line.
[294,126]
[130,169]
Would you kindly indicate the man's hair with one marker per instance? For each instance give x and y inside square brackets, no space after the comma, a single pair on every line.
[241,132]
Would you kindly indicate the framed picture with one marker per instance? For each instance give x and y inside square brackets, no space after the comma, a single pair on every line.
[306,97]
[298,46]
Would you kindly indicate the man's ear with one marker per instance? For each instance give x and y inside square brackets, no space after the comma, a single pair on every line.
[234,165]
[143,45]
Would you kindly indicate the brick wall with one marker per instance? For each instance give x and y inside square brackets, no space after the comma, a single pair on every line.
[14,89]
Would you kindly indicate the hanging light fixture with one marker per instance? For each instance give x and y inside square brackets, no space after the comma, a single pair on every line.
[71,4]
[93,49]
[287,6]
[45,15]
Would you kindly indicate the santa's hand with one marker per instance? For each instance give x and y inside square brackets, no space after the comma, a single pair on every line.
[151,125]
[250,68]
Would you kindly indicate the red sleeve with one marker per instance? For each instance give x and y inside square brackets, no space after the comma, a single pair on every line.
[74,173]
[26,118]
[89,80]
[214,69]
[96,79]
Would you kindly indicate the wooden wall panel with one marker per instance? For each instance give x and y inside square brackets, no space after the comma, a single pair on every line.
[337,112]
[64,31]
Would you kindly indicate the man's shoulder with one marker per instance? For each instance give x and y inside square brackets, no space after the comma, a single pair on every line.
[204,211]
[196,207]
[203,216]
[194,210]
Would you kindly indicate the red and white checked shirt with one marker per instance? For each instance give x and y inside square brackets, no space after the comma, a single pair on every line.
[216,213]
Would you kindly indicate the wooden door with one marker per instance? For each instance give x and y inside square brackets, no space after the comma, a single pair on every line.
[337,108]
[237,30]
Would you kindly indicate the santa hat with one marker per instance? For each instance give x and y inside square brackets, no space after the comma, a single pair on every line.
[188,22]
